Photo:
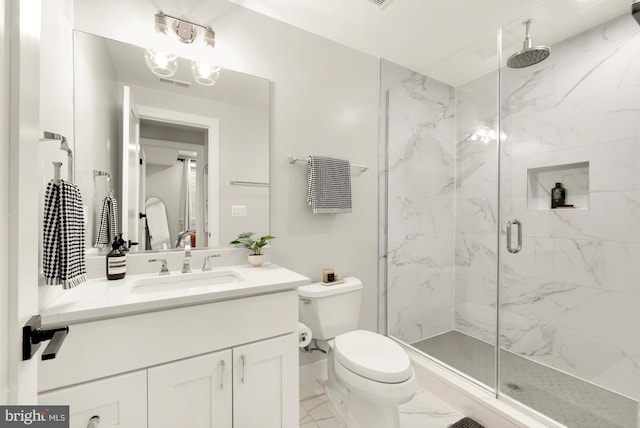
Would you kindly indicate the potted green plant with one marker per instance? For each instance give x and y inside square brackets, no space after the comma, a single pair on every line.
[256,258]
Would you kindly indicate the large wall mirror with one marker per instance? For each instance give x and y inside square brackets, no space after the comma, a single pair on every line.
[185,163]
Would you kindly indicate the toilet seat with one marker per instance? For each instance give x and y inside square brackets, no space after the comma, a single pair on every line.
[372,356]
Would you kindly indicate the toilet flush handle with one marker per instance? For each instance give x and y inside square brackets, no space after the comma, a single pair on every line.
[306,301]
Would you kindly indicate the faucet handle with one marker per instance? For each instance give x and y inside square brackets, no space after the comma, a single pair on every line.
[186,260]
[206,266]
[163,270]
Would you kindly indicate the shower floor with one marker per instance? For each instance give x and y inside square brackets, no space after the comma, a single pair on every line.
[564,398]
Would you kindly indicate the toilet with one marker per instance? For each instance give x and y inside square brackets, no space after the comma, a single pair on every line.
[369,375]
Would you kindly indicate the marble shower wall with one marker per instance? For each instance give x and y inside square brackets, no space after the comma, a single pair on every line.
[476,209]
[570,298]
[420,127]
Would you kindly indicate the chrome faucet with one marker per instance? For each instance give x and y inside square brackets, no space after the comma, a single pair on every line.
[206,265]
[181,236]
[163,270]
[186,261]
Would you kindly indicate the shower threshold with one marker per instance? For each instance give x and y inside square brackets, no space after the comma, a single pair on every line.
[562,397]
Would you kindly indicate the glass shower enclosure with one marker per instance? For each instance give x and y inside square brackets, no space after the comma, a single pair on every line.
[533,303]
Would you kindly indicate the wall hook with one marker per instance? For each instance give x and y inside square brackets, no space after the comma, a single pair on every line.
[33,334]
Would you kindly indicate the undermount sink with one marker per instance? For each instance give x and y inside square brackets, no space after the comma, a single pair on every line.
[183,281]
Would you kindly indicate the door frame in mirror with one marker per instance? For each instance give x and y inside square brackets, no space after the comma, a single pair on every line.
[212,126]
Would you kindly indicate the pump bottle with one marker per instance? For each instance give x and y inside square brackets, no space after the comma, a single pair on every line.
[558,194]
[116,260]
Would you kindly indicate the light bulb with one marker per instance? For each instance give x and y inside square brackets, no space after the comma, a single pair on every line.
[205,74]
[161,63]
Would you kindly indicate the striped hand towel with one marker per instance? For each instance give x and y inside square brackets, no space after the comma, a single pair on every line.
[329,185]
[63,236]
[108,228]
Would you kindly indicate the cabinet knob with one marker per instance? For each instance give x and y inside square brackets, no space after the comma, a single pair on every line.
[94,422]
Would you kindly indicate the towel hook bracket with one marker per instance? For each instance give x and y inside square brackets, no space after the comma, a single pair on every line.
[294,159]
[33,334]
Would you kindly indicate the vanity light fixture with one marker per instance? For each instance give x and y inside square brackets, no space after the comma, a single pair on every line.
[165,64]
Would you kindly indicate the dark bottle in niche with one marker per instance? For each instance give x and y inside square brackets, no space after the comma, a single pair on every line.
[558,194]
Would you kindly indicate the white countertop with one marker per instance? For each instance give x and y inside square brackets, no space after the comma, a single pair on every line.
[101,298]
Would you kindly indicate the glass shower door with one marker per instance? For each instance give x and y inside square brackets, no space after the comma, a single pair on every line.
[568,292]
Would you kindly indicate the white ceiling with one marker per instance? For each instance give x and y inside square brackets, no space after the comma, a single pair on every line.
[451,40]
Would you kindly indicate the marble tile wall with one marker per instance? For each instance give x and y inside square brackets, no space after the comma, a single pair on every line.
[476,219]
[420,164]
[570,298]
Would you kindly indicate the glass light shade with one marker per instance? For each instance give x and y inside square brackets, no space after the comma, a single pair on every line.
[160,63]
[205,74]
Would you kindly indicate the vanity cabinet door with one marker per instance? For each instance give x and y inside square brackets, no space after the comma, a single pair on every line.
[194,392]
[118,401]
[265,383]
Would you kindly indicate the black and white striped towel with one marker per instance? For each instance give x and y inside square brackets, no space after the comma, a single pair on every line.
[329,185]
[108,227]
[63,236]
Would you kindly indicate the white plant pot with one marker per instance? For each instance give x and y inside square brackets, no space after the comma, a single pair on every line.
[257,260]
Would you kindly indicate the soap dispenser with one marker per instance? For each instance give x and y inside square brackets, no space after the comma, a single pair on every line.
[116,260]
[558,194]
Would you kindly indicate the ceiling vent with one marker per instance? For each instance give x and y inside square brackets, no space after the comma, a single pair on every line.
[381,3]
[174,82]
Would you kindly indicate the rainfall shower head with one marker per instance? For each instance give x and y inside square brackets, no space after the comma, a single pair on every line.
[528,55]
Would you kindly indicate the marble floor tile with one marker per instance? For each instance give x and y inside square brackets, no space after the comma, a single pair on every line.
[423,411]
[427,411]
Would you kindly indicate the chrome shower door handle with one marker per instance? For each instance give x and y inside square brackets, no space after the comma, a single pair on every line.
[509,247]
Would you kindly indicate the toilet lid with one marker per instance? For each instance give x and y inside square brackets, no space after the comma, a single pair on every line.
[373,356]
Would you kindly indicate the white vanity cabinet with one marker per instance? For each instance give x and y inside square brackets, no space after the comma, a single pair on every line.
[196,393]
[264,384]
[245,387]
[232,363]
[118,401]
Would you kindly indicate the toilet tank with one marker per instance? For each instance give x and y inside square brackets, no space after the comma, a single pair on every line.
[330,310]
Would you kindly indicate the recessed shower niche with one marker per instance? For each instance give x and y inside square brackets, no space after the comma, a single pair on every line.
[574,178]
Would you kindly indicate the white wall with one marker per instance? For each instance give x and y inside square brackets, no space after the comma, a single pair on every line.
[164,182]
[4,200]
[243,149]
[325,102]
[97,136]
[56,102]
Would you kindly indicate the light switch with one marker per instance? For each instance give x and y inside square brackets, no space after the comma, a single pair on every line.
[238,210]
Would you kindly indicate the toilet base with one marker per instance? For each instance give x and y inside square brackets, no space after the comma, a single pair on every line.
[358,413]
[354,409]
